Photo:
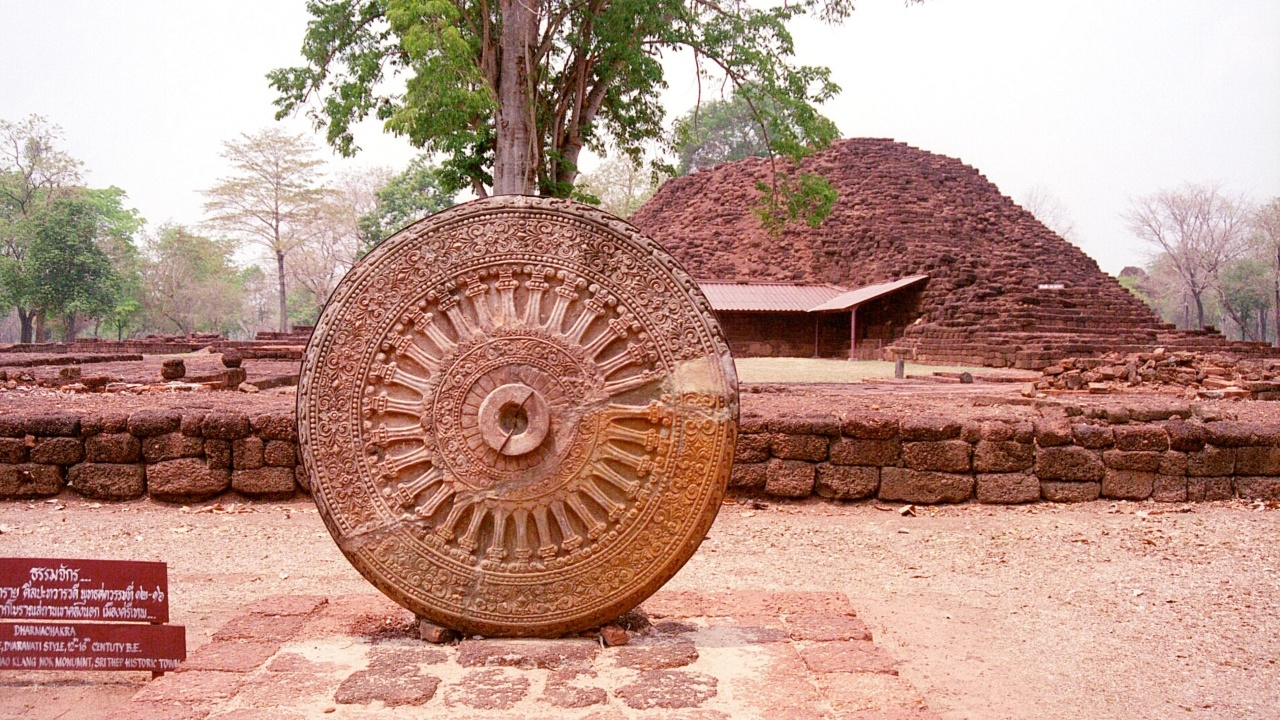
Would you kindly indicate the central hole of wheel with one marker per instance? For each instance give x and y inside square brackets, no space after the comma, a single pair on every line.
[513,418]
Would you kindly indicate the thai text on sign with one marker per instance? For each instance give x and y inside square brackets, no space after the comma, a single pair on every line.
[77,590]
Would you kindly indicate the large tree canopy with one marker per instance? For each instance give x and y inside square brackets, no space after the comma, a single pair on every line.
[509,92]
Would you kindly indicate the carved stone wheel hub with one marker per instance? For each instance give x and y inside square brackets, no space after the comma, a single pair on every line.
[517,417]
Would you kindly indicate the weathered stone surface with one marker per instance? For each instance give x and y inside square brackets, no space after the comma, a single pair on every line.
[657,655]
[13,450]
[27,480]
[870,426]
[847,482]
[1233,434]
[565,690]
[221,425]
[149,423]
[218,454]
[928,429]
[789,478]
[1258,488]
[942,456]
[668,690]
[247,453]
[280,453]
[1054,491]
[171,446]
[112,447]
[1092,436]
[58,424]
[275,426]
[492,689]
[264,482]
[1052,433]
[1257,461]
[1008,488]
[1128,484]
[1211,462]
[1201,489]
[799,447]
[1169,488]
[517,399]
[848,656]
[1137,460]
[104,422]
[752,448]
[826,627]
[1068,463]
[750,476]
[103,481]
[871,453]
[1185,436]
[366,686]
[173,369]
[192,420]
[238,656]
[12,426]
[1003,456]
[1141,437]
[528,654]
[185,480]
[57,451]
[805,423]
[1173,463]
[915,486]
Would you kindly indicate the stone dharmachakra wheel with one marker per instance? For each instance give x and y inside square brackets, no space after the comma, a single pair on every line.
[518,417]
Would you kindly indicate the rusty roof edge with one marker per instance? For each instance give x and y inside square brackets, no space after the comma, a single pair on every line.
[866,293]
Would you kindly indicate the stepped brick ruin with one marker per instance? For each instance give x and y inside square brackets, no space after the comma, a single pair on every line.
[1003,289]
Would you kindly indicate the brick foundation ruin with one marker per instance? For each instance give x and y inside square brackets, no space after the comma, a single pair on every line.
[1167,455]
[1003,290]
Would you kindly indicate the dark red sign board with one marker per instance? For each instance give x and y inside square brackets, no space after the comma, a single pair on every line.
[85,646]
[78,590]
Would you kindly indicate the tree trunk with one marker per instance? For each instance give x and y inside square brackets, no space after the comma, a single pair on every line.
[24,321]
[69,327]
[515,151]
[284,306]
[1199,310]
[1277,305]
[41,336]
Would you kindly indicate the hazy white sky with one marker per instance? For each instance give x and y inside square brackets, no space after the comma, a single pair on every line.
[1097,101]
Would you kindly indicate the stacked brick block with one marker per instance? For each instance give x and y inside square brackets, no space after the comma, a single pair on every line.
[941,460]
[903,211]
[170,455]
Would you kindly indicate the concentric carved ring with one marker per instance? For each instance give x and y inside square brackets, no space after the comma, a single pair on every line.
[517,417]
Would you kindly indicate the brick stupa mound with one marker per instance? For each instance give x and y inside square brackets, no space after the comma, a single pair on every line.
[1003,289]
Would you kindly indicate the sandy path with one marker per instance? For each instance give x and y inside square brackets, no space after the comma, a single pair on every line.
[1096,611]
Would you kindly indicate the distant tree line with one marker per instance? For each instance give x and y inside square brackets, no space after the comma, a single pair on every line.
[77,261]
[1215,260]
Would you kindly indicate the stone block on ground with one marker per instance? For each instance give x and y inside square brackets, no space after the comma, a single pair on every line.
[107,481]
[917,486]
[1136,460]
[1169,488]
[280,453]
[952,456]
[218,454]
[171,446]
[866,452]
[29,480]
[104,422]
[1092,436]
[858,656]
[918,429]
[57,451]
[1052,433]
[1185,436]
[1152,438]
[798,447]
[847,482]
[275,426]
[753,448]
[264,482]
[114,447]
[1211,462]
[247,453]
[748,476]
[222,425]
[1201,489]
[870,426]
[13,450]
[789,478]
[186,480]
[1007,488]
[57,424]
[1264,460]
[1003,456]
[1068,463]
[1055,491]
[1258,488]
[149,423]
[1128,484]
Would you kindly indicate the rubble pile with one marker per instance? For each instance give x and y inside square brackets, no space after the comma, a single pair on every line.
[1206,375]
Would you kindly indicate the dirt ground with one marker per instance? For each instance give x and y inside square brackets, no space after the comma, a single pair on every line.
[1102,610]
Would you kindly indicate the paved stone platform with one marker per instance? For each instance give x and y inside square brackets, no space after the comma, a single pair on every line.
[691,656]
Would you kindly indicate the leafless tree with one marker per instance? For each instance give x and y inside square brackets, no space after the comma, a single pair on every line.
[274,198]
[1199,228]
[1050,210]
[1266,237]
[619,185]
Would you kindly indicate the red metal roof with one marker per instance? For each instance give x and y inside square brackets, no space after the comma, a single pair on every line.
[766,296]
[857,296]
[793,297]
